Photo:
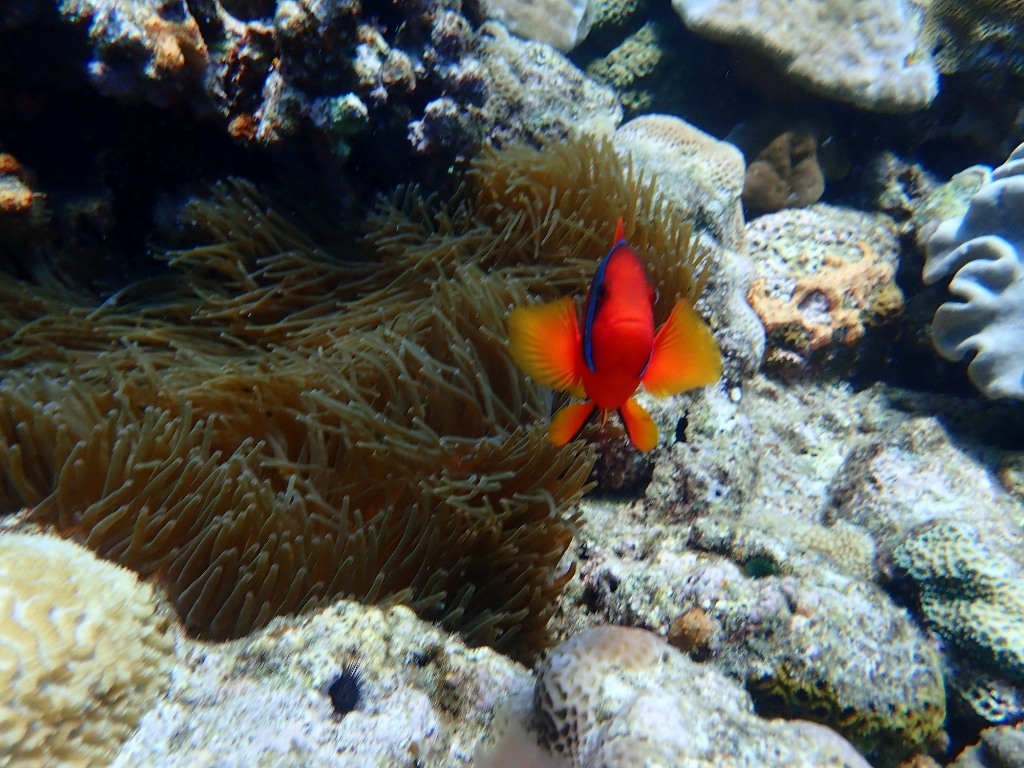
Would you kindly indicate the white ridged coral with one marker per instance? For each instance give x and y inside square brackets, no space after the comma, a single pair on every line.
[83,653]
[985,248]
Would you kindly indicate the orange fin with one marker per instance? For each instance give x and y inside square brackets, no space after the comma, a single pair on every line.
[545,342]
[641,428]
[685,354]
[619,234]
[568,422]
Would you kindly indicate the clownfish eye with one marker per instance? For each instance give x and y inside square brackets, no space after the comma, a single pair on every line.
[602,291]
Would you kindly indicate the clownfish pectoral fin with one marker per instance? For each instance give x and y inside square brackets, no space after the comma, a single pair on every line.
[545,342]
[567,423]
[685,354]
[641,428]
[619,232]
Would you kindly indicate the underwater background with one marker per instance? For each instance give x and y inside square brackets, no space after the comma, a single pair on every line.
[276,489]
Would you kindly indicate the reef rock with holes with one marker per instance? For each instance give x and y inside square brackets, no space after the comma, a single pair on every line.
[824,280]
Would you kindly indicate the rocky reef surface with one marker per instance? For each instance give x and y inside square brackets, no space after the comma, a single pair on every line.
[820,564]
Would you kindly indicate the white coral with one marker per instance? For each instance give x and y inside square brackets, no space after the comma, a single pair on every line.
[862,51]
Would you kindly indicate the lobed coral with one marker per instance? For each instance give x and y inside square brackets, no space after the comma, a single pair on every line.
[784,174]
[272,426]
[984,247]
[85,653]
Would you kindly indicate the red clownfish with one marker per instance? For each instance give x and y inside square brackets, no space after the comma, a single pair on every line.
[617,351]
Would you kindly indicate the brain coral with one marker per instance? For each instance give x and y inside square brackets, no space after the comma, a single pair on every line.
[985,248]
[83,653]
[864,52]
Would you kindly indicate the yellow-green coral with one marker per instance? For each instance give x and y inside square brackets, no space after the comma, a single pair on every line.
[972,595]
[636,57]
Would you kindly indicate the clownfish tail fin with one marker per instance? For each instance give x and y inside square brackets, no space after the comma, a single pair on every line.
[568,422]
[685,354]
[642,430]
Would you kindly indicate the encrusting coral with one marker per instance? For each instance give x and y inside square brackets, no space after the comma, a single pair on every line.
[275,426]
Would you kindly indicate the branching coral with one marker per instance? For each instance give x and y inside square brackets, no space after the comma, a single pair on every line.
[272,425]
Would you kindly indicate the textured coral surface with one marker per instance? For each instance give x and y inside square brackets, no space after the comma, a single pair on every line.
[85,653]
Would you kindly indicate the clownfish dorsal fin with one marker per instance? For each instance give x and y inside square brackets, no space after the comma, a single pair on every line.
[619,234]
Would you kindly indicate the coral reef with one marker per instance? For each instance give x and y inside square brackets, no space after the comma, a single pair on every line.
[272,426]
[824,277]
[86,653]
[621,696]
[970,593]
[339,75]
[562,24]
[985,249]
[976,34]
[865,52]
[425,697]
